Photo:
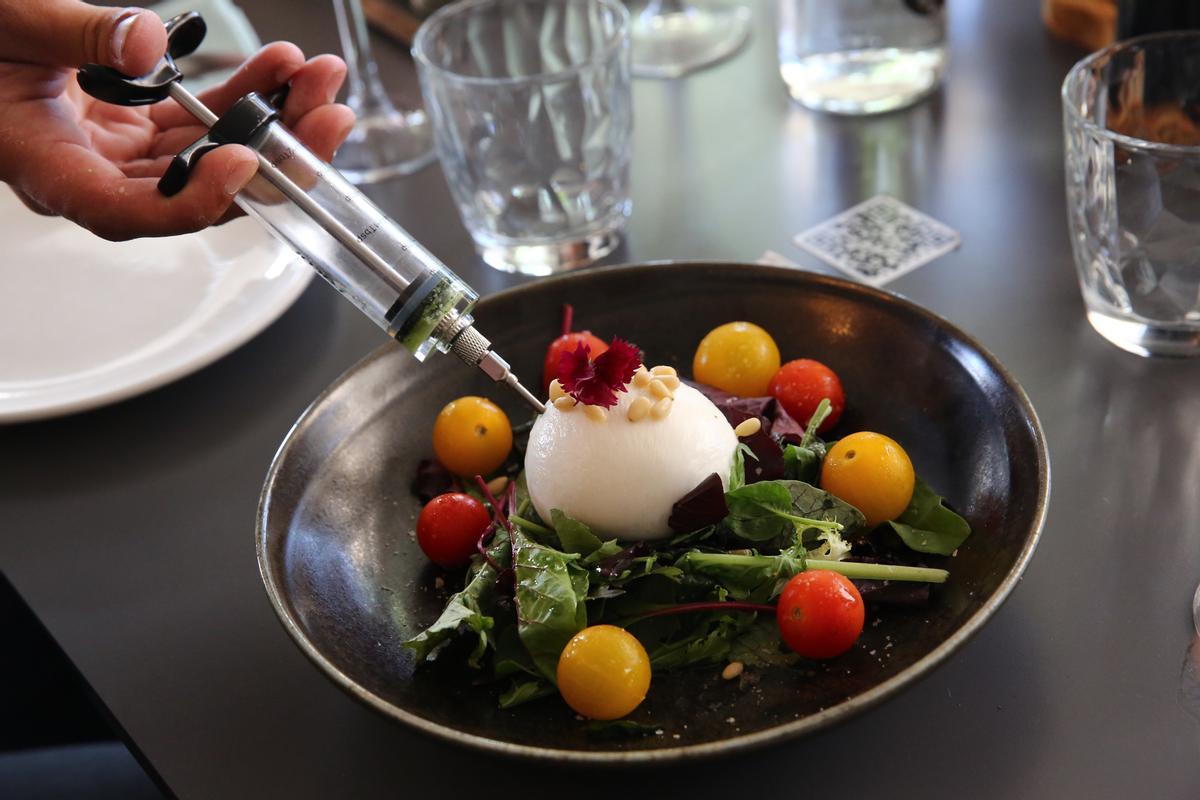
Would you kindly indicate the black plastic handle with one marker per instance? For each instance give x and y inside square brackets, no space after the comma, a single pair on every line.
[180,169]
[239,125]
[185,32]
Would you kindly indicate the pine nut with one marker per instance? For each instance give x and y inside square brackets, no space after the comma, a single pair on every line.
[732,670]
[641,378]
[638,409]
[564,403]
[556,390]
[671,382]
[748,427]
[660,371]
[497,485]
[661,408]
[659,389]
[595,413]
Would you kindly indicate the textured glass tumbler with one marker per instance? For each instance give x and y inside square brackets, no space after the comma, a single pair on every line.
[532,115]
[1131,118]
[861,56]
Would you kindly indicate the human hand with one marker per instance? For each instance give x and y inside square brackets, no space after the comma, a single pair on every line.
[96,164]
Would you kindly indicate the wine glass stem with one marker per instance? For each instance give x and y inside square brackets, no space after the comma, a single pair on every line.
[657,7]
[366,94]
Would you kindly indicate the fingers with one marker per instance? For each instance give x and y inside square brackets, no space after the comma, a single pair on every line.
[68,33]
[313,83]
[30,203]
[94,193]
[265,71]
[324,129]
[146,167]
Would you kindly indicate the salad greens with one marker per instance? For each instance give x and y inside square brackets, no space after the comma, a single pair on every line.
[762,511]
[551,594]
[696,598]
[470,609]
[928,525]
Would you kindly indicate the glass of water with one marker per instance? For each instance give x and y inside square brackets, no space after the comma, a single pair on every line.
[861,56]
[532,116]
[674,37]
[1132,127]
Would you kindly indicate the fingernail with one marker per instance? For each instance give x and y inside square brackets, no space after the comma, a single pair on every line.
[239,176]
[125,22]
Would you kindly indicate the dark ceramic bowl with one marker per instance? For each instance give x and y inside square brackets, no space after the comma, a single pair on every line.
[340,564]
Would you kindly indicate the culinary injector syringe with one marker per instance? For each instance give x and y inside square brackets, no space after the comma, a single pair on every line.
[347,239]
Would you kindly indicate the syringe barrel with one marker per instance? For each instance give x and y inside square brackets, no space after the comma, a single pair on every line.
[403,287]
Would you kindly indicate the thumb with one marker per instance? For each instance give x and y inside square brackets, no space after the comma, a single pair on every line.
[68,33]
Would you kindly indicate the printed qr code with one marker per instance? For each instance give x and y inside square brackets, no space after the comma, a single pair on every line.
[879,240]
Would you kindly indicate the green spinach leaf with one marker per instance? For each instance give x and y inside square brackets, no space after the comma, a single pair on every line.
[803,462]
[928,526]
[809,501]
[510,656]
[551,593]
[754,578]
[522,503]
[524,691]
[692,537]
[575,536]
[819,415]
[766,510]
[709,646]
[737,473]
[618,729]
[760,646]
[468,610]
[605,550]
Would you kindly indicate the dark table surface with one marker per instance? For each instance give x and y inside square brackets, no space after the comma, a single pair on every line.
[129,530]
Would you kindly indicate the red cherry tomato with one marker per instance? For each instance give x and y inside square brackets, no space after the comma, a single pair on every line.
[449,527]
[802,384]
[566,343]
[820,614]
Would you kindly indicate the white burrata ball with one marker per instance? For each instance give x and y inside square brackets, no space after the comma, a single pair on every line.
[619,477]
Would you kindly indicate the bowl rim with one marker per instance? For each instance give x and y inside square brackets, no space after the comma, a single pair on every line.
[740,743]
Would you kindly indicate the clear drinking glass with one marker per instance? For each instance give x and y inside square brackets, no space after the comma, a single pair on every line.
[532,116]
[386,141]
[674,37]
[861,56]
[1131,119]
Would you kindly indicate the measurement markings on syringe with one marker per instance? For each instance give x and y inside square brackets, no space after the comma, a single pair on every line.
[282,157]
[367,231]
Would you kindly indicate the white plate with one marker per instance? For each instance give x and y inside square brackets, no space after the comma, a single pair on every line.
[85,322]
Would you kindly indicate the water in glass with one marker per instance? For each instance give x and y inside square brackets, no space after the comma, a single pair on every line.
[861,56]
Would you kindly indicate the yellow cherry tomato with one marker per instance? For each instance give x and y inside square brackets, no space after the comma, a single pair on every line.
[738,357]
[603,672]
[471,436]
[870,472]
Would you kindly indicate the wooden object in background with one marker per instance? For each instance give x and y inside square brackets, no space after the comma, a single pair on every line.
[1090,23]
[391,19]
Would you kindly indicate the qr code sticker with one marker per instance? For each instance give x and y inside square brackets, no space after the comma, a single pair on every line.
[879,240]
